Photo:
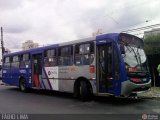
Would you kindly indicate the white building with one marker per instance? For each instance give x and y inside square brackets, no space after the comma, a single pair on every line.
[29,44]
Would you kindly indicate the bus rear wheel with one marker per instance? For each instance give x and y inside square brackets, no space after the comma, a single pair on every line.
[84,91]
[22,85]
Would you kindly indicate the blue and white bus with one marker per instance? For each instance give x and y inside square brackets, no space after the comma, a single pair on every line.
[109,64]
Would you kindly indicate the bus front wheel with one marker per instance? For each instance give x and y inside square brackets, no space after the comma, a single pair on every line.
[22,85]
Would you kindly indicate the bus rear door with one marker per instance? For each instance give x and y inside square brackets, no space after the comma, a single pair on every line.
[107,73]
[36,69]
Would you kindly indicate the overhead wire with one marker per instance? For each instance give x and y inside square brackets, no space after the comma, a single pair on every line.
[142,28]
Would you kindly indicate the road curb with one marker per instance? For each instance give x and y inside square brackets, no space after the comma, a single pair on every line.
[147,97]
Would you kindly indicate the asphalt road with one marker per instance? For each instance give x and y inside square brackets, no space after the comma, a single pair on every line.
[46,102]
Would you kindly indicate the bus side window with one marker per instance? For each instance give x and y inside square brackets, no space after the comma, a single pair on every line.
[84,54]
[50,58]
[15,61]
[22,63]
[25,61]
[6,62]
[65,56]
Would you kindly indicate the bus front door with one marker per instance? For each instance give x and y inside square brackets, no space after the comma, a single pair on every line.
[105,69]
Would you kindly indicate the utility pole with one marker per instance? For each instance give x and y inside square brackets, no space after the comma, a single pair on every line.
[2,44]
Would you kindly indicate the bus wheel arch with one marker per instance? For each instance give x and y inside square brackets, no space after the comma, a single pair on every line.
[83,88]
[22,84]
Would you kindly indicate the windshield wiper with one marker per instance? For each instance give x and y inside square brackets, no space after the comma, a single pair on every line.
[135,55]
[139,57]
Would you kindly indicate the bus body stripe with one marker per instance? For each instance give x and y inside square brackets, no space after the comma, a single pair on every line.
[43,84]
[47,79]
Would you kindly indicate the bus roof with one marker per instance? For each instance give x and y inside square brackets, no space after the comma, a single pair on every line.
[115,36]
[40,49]
[78,41]
[32,50]
[109,35]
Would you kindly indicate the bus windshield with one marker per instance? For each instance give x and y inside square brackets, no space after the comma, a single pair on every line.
[134,59]
[132,53]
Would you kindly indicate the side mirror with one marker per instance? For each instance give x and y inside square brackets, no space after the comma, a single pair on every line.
[122,49]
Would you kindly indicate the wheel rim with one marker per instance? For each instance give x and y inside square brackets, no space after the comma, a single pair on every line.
[80,90]
[22,85]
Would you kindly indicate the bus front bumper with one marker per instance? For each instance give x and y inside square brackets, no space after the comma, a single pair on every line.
[129,87]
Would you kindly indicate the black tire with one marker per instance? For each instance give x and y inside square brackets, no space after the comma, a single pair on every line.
[22,85]
[134,96]
[84,91]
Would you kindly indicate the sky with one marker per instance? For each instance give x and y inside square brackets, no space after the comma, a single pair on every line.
[55,21]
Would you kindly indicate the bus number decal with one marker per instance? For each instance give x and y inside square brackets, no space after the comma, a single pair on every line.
[4,71]
[22,71]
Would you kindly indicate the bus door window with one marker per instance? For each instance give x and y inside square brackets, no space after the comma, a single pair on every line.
[109,61]
[102,68]
[35,67]
[116,65]
[106,60]
[38,65]
[105,68]
[102,62]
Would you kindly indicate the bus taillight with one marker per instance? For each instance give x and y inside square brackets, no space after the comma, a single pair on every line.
[92,69]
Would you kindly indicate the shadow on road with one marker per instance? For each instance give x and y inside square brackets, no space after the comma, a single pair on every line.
[104,100]
[118,100]
[45,92]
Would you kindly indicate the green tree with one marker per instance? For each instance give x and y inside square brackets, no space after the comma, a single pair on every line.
[152,44]
[152,49]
